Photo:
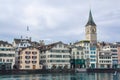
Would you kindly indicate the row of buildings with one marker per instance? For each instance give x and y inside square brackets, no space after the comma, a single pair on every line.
[26,54]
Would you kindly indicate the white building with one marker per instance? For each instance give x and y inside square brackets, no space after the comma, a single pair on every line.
[21,43]
[77,57]
[90,52]
[104,59]
[7,56]
[54,56]
[114,51]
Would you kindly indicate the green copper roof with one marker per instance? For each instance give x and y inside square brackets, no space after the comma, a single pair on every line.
[90,20]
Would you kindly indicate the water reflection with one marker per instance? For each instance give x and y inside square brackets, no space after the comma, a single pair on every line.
[76,76]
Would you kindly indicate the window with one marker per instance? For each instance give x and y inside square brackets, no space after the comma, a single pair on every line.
[114,50]
[34,62]
[77,57]
[34,53]
[60,45]
[7,60]
[11,60]
[27,62]
[0,60]
[66,56]
[102,65]
[27,57]
[27,66]
[81,57]
[34,57]
[27,52]
[92,56]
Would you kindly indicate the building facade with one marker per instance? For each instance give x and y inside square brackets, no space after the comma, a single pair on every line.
[118,56]
[90,51]
[113,48]
[77,57]
[7,56]
[104,59]
[29,59]
[55,56]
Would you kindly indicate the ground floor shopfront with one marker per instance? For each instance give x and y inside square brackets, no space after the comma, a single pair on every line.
[77,63]
[6,66]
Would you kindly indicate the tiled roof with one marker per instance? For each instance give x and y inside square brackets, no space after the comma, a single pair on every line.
[49,46]
[19,40]
[90,20]
[5,43]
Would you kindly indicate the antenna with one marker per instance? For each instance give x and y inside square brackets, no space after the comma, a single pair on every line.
[27,33]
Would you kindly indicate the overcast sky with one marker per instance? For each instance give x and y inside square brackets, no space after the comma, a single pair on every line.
[58,20]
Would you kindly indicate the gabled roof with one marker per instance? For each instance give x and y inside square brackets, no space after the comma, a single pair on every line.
[90,20]
[21,49]
[5,43]
[50,46]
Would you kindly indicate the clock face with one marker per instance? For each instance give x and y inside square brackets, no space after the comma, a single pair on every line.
[93,30]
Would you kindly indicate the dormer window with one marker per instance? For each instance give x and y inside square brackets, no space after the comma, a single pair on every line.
[102,53]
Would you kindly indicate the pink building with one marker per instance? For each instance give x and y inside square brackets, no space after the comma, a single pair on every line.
[119,56]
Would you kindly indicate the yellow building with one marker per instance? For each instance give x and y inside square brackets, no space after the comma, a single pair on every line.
[28,58]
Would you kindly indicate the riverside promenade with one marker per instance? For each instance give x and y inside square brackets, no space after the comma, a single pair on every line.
[59,71]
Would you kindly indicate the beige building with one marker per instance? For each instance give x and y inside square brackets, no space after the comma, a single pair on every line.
[90,30]
[7,56]
[28,58]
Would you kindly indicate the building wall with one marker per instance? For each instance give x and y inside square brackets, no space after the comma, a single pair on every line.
[29,59]
[114,51]
[90,52]
[91,34]
[7,56]
[58,56]
[118,56]
[104,61]
[77,58]
[93,56]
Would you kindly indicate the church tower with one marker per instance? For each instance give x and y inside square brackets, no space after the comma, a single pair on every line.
[90,30]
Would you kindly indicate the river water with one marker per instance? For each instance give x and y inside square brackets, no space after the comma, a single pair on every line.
[64,76]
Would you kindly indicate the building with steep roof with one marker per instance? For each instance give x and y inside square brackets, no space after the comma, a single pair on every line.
[91,30]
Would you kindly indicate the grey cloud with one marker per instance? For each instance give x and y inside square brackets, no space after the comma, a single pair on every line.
[54,20]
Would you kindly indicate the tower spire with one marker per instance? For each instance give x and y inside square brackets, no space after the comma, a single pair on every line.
[90,20]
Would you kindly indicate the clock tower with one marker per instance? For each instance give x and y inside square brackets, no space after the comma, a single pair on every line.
[90,30]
